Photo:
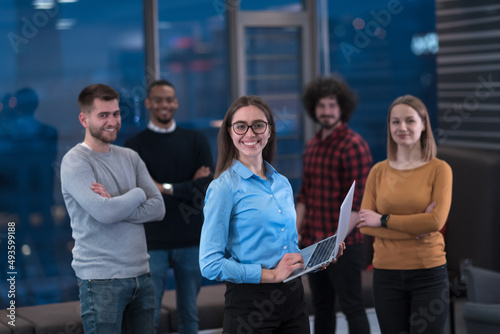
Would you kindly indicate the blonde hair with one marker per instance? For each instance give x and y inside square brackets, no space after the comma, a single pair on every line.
[427,142]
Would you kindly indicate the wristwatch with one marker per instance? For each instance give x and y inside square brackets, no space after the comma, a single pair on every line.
[383,220]
[167,186]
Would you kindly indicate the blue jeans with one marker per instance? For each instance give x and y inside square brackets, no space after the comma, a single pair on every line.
[187,281]
[411,301]
[114,306]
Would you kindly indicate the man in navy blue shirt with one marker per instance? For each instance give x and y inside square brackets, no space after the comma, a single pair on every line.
[179,161]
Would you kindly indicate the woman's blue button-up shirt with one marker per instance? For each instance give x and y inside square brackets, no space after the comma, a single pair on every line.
[254,219]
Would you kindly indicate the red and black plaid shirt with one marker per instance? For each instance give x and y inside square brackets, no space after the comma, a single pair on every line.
[330,167]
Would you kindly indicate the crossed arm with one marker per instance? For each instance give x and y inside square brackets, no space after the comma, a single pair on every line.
[139,204]
[369,223]
[406,226]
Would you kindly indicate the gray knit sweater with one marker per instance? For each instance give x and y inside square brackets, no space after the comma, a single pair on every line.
[109,236]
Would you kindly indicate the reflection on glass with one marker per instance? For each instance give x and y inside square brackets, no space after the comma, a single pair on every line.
[194,57]
[383,52]
[51,51]
[275,5]
[273,71]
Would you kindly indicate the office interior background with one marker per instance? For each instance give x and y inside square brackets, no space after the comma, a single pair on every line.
[445,52]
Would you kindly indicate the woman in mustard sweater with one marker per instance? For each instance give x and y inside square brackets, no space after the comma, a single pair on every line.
[405,204]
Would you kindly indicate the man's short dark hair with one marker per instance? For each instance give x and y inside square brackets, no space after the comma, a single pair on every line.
[160,82]
[326,87]
[96,91]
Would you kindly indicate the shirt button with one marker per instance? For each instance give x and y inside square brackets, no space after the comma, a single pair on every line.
[279,210]
[271,195]
[282,229]
[284,247]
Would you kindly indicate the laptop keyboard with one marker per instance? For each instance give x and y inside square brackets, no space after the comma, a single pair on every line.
[322,252]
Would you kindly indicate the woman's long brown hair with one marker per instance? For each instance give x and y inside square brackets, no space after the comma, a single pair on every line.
[227,151]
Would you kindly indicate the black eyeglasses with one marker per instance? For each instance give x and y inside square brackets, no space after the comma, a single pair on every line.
[241,128]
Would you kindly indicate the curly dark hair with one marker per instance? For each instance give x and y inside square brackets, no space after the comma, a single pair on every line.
[325,87]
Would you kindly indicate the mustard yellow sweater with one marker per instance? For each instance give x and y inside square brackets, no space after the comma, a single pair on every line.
[404,195]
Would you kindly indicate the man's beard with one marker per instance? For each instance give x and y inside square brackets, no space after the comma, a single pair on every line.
[98,134]
[164,121]
[329,126]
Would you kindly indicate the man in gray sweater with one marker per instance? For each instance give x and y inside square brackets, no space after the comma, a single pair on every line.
[109,194]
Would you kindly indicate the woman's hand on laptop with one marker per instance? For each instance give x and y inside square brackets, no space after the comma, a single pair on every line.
[287,265]
[341,251]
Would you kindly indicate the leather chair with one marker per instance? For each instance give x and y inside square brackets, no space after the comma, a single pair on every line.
[482,310]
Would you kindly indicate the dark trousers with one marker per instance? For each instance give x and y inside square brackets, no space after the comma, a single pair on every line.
[266,308]
[343,279]
[411,301]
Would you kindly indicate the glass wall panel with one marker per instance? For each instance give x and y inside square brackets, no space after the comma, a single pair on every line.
[372,44]
[49,52]
[274,72]
[193,43]
[275,5]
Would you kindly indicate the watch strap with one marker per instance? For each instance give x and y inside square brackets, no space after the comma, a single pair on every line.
[383,220]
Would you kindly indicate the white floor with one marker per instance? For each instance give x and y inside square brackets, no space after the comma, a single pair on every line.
[342,323]
[372,318]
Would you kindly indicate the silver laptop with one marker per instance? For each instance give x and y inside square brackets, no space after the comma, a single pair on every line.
[324,251]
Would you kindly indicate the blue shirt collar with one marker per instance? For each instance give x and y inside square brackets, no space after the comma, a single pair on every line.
[246,173]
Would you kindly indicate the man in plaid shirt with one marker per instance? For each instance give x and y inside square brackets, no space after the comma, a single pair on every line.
[333,159]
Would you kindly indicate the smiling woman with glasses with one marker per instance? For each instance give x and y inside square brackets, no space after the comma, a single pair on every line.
[249,210]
